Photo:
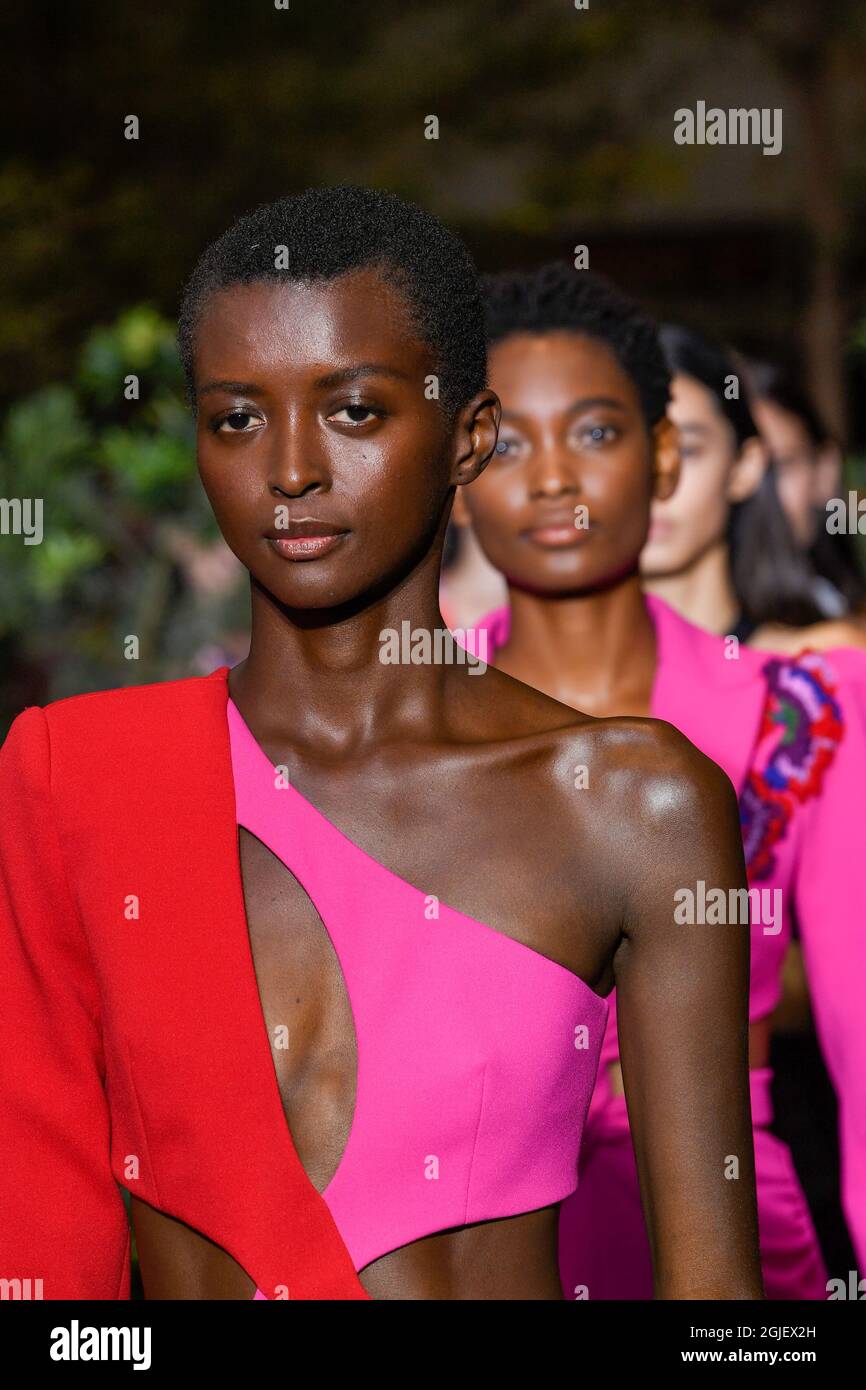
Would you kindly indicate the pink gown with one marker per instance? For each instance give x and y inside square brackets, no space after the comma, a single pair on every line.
[791,735]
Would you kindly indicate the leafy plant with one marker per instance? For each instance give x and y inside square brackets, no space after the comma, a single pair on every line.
[110,457]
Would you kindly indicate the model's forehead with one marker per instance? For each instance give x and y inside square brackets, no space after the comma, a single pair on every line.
[356,317]
[781,423]
[557,368]
[693,403]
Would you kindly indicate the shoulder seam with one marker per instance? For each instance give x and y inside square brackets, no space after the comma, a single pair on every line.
[126,690]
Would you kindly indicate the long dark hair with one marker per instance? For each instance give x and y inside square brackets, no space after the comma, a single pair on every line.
[771,576]
[834,557]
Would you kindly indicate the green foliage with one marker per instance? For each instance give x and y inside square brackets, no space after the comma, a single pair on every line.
[111,456]
[141,341]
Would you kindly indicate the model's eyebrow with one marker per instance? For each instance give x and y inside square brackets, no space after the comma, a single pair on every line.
[588,402]
[342,378]
[236,388]
[585,403]
[322,383]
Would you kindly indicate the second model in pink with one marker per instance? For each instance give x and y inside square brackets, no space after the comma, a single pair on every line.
[791,735]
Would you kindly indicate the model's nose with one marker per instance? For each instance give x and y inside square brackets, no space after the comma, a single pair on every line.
[298,463]
[553,472]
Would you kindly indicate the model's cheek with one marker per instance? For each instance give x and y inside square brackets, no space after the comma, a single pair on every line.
[613,501]
[702,513]
[796,499]
[390,502]
[235,509]
[498,499]
[666,526]
[217,488]
[497,520]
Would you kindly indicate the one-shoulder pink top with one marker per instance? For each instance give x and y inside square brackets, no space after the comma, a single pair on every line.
[477,1055]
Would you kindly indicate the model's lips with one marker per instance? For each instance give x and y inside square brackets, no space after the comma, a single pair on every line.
[558,535]
[306,539]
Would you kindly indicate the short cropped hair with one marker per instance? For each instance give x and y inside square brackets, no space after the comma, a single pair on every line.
[328,232]
[558,297]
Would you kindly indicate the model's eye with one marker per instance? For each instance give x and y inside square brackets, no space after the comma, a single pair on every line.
[509,446]
[593,435]
[238,422]
[355,415]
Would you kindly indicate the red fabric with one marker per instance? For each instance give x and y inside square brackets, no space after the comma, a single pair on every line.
[132,1044]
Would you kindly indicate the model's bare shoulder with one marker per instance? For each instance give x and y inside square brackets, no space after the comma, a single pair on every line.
[647,795]
[655,767]
[644,769]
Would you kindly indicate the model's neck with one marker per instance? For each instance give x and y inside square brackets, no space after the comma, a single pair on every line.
[704,593]
[595,649]
[328,678]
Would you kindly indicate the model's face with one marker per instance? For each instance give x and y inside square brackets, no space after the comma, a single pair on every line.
[695,518]
[328,470]
[794,456]
[572,436]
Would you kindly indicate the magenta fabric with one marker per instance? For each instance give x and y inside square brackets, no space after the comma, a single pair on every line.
[818,869]
[477,1055]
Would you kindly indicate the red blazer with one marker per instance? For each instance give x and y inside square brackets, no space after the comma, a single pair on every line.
[133,1049]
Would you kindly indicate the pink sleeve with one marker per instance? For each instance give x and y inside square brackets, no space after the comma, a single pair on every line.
[830,901]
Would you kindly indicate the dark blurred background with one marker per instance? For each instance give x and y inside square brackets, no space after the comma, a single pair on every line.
[555,129]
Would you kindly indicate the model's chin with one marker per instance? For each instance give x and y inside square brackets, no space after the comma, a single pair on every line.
[334,581]
[657,560]
[555,581]
[563,568]
[309,597]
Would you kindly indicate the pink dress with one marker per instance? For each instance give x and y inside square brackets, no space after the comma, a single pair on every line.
[791,735]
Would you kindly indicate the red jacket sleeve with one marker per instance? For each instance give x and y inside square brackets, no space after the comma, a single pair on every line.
[831,912]
[62,1216]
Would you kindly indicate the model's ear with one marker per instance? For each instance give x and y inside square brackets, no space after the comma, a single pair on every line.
[666,458]
[748,471]
[476,431]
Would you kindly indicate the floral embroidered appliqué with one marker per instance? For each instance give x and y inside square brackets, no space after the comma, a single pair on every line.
[801,728]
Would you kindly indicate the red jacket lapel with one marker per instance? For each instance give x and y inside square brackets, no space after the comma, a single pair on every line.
[143,778]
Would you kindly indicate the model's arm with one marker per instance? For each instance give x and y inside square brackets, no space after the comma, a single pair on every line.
[682,1006]
[62,1218]
[830,902]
